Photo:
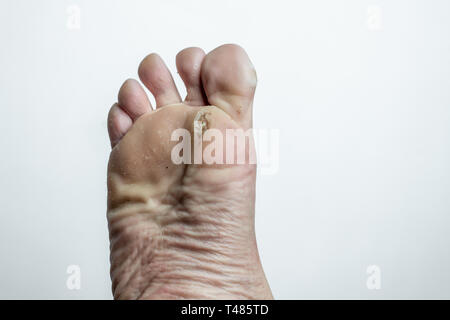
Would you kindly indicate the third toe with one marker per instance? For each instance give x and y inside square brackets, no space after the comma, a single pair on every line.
[158,79]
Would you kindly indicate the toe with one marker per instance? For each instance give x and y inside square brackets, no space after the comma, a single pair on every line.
[158,79]
[133,99]
[119,122]
[189,62]
[229,80]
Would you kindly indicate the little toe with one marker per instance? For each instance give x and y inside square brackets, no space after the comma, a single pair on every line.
[189,63]
[119,122]
[133,99]
[158,79]
[229,80]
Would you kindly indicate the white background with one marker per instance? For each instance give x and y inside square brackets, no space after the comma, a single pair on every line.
[361,99]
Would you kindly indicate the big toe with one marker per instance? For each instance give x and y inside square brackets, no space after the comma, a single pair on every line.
[229,81]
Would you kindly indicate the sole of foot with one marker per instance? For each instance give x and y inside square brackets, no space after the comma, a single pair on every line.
[184,230]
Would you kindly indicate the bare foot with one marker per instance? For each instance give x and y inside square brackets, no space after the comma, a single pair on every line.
[183,230]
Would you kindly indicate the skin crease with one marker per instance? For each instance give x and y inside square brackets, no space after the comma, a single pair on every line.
[183,231]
